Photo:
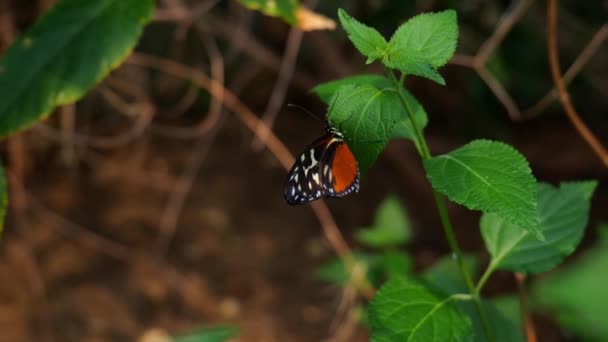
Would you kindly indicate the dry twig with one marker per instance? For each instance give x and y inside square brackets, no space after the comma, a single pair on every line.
[564,97]
[581,60]
[528,323]
[294,40]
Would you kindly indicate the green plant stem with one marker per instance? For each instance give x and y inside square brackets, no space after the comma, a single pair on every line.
[484,278]
[448,229]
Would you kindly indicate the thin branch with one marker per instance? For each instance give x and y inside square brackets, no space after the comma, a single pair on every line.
[509,18]
[525,312]
[256,50]
[581,60]
[274,145]
[26,260]
[67,118]
[142,111]
[500,92]
[564,97]
[294,41]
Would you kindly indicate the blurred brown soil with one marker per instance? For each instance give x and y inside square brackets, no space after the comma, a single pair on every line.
[240,254]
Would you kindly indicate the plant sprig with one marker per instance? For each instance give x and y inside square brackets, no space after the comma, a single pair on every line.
[524,229]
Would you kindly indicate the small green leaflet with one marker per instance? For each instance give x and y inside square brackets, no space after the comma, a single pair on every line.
[418,47]
[563,214]
[576,294]
[391,226]
[432,36]
[405,310]
[489,176]
[367,40]
[412,63]
[366,116]
[285,9]
[67,52]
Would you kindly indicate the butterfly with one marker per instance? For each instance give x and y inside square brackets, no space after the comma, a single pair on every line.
[326,168]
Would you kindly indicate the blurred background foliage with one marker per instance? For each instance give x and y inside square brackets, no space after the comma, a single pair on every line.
[137,224]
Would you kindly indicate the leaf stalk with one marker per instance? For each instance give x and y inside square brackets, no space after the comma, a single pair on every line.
[448,229]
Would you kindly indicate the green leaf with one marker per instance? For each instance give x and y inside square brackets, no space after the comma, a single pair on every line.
[70,49]
[405,310]
[576,294]
[504,314]
[488,176]
[563,215]
[412,63]
[284,9]
[395,264]
[367,40]
[431,37]
[3,198]
[445,275]
[391,225]
[585,188]
[335,271]
[403,128]
[366,116]
[215,334]
[327,90]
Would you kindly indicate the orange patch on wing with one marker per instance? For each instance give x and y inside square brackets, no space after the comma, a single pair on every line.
[344,168]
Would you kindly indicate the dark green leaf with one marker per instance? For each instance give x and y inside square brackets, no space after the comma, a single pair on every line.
[215,334]
[576,295]
[367,40]
[586,188]
[504,323]
[395,264]
[431,37]
[403,128]
[505,319]
[405,310]
[412,63]
[366,116]
[327,90]
[391,225]
[563,214]
[445,274]
[68,51]
[488,176]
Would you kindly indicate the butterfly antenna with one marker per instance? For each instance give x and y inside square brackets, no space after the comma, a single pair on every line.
[303,110]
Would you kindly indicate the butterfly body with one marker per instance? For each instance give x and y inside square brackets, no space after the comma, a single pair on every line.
[326,168]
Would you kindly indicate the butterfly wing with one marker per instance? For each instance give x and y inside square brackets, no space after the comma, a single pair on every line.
[304,183]
[340,172]
[327,167]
